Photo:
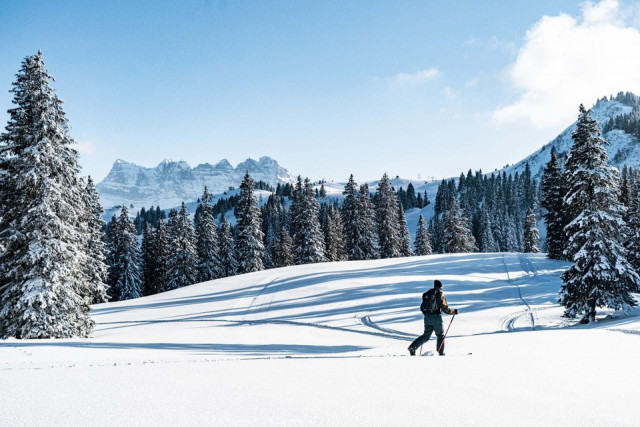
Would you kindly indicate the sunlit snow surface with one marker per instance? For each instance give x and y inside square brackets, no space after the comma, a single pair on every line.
[325,344]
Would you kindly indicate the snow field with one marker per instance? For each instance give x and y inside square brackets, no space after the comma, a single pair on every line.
[325,344]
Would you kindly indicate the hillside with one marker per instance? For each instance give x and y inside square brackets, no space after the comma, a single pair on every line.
[325,344]
[623,149]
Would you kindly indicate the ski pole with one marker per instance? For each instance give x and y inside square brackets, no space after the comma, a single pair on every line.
[445,334]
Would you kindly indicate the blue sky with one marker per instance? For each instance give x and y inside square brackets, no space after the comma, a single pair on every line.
[327,88]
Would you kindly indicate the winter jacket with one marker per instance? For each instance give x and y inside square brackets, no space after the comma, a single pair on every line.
[441,301]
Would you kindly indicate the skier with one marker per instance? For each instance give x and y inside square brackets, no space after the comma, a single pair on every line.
[433,302]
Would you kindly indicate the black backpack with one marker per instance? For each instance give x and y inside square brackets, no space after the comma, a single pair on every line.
[429,303]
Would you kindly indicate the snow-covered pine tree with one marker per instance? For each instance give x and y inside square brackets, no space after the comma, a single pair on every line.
[405,239]
[249,245]
[274,217]
[366,247]
[228,262]
[531,234]
[633,241]
[486,239]
[283,249]
[625,187]
[44,290]
[333,236]
[600,275]
[350,218]
[553,191]
[96,267]
[386,208]
[457,236]
[423,241]
[308,240]
[127,267]
[207,241]
[182,269]
[436,231]
[110,243]
[149,261]
[162,251]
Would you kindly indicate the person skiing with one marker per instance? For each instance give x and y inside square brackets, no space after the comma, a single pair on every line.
[433,303]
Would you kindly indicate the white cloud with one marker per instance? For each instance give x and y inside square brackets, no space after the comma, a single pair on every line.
[568,60]
[414,78]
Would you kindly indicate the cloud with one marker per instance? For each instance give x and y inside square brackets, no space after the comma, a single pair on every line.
[567,60]
[415,78]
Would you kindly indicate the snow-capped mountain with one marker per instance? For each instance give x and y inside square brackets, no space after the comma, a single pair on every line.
[170,183]
[622,149]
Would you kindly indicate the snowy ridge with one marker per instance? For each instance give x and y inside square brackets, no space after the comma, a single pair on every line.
[170,183]
[623,148]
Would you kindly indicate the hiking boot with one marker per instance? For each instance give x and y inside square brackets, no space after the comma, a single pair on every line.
[412,351]
[441,354]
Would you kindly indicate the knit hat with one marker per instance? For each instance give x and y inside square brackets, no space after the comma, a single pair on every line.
[437,284]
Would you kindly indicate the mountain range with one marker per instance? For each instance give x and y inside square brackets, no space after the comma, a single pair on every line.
[170,183]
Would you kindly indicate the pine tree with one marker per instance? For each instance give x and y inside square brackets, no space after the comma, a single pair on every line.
[249,246]
[457,236]
[182,268]
[95,268]
[625,187]
[228,262]
[110,244]
[149,261]
[386,208]
[333,236]
[486,239]
[412,201]
[436,231]
[366,245]
[207,242]
[44,290]
[308,240]
[128,274]
[350,218]
[163,250]
[283,249]
[274,217]
[600,276]
[531,234]
[423,241]
[405,239]
[553,192]
[633,241]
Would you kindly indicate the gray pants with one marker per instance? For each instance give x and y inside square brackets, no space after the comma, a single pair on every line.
[432,323]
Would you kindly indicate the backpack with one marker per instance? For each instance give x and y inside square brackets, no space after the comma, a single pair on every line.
[429,304]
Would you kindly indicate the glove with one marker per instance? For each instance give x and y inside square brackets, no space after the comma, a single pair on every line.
[455,311]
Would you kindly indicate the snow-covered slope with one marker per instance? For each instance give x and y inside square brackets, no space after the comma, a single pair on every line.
[170,183]
[325,344]
[623,148]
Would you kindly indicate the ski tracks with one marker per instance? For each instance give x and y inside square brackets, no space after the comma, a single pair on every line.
[508,323]
[389,333]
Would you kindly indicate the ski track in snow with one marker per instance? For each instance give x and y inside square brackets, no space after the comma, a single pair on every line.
[391,333]
[508,323]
